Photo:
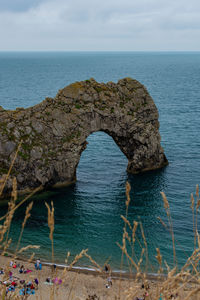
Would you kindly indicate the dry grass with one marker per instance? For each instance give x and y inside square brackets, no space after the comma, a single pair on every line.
[51,226]
[183,283]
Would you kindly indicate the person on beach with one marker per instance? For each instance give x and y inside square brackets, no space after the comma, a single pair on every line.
[22,281]
[38,262]
[57,281]
[109,284]
[10,276]
[109,281]
[146,287]
[36,282]
[21,270]
[11,263]
[107,268]
[38,265]
[14,283]
[32,287]
[173,296]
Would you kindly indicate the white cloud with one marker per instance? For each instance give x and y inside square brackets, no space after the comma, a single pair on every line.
[102,25]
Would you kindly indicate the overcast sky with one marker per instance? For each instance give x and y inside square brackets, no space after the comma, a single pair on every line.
[129,25]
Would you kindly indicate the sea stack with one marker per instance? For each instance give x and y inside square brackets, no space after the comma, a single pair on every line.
[53,133]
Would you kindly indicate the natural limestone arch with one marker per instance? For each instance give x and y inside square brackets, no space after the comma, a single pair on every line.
[53,133]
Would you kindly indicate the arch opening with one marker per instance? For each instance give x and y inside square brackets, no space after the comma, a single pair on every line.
[102,162]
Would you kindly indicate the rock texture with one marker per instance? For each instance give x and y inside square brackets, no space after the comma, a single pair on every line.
[54,132]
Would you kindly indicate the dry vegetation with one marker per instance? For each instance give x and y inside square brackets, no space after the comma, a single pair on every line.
[183,284]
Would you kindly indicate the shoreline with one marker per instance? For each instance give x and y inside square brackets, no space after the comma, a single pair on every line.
[87,270]
[116,274]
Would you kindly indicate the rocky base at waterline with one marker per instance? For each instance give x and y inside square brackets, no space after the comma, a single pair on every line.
[53,133]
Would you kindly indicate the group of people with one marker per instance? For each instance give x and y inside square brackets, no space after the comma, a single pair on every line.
[56,281]
[145,293]
[170,297]
[21,268]
[13,282]
[29,287]
[25,287]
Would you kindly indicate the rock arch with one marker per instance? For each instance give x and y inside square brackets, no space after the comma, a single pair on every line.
[53,133]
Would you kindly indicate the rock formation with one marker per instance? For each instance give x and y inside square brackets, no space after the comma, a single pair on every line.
[54,132]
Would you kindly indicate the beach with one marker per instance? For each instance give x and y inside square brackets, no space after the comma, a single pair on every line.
[86,284]
[76,284]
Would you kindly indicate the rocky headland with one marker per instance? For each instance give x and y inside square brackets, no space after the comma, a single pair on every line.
[53,133]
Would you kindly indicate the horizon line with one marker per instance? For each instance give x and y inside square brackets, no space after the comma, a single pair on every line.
[100,51]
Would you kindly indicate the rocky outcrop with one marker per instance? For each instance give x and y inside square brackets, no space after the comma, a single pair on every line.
[54,132]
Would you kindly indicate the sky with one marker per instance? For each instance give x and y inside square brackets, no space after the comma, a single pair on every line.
[103,25]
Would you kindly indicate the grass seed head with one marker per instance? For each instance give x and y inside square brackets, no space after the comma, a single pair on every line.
[192,202]
[28,247]
[166,203]
[14,189]
[128,189]
[197,191]
[159,256]
[50,219]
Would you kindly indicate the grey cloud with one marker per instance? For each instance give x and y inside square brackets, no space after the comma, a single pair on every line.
[179,22]
[97,25]
[18,5]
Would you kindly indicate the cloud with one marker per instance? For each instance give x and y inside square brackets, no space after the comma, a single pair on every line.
[100,25]
[18,5]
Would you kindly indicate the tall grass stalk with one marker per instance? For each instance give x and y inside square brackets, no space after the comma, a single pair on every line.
[196,211]
[51,226]
[27,216]
[167,209]
[128,199]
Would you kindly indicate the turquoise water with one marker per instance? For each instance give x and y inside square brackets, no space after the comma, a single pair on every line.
[87,214]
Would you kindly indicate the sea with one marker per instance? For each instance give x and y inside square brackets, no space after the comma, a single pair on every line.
[88,213]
